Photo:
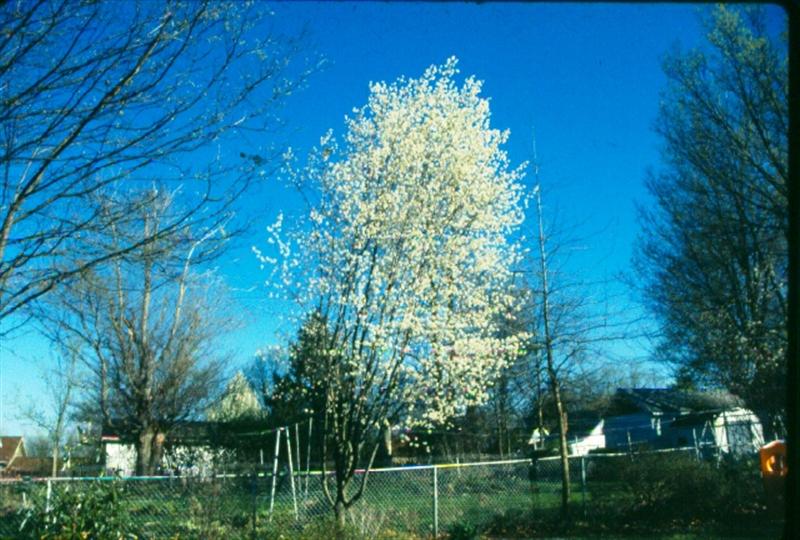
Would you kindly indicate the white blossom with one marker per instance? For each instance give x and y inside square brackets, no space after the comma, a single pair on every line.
[407,248]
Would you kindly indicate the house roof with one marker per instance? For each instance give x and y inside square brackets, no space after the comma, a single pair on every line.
[669,400]
[9,447]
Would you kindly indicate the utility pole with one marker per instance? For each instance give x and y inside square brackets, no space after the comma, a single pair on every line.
[539,396]
[555,387]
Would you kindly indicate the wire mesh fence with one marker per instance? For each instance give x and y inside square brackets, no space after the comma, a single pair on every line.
[423,501]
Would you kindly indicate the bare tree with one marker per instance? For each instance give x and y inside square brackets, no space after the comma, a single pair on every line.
[97,96]
[51,411]
[147,324]
[550,363]
[571,331]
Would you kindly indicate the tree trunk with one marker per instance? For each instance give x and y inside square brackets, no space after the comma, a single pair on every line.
[387,444]
[156,452]
[555,387]
[563,448]
[144,450]
[341,513]
[54,471]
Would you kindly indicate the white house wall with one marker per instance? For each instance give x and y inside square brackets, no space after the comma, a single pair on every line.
[120,458]
[195,460]
[595,439]
[192,460]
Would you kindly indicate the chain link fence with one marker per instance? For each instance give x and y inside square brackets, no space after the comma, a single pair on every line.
[420,500]
[423,501]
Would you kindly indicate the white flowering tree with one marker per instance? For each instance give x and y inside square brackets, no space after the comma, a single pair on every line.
[407,258]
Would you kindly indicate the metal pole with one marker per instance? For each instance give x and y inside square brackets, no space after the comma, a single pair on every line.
[274,472]
[728,446]
[696,444]
[308,453]
[254,493]
[297,446]
[630,445]
[291,470]
[435,502]
[47,499]
[583,483]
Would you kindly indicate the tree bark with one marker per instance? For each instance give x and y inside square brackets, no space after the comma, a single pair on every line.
[387,443]
[340,510]
[144,449]
[563,446]
[156,451]
[54,471]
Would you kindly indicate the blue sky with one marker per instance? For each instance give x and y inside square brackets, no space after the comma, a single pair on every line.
[587,76]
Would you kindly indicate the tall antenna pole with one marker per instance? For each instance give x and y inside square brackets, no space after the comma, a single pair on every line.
[539,366]
[542,255]
[555,387]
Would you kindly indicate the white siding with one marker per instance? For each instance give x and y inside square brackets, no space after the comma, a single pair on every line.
[595,439]
[120,458]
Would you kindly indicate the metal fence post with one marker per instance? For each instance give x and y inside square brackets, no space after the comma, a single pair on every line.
[728,445]
[583,484]
[435,502]
[47,497]
[254,493]
[308,455]
[291,470]
[630,445]
[274,472]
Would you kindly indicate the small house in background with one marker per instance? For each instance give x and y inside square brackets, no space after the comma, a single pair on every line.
[661,418]
[592,440]
[11,449]
[538,438]
[233,431]
[671,418]
[585,434]
[119,455]
[193,447]
[16,463]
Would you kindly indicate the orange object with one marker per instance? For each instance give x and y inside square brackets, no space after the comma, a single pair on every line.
[773,459]
[773,474]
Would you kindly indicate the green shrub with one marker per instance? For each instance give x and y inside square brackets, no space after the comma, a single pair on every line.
[674,488]
[79,511]
[662,489]
[463,531]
